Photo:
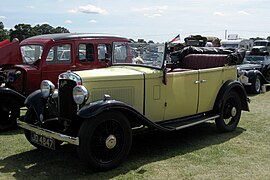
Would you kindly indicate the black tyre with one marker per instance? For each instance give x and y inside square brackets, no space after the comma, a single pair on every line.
[230,112]
[105,140]
[256,85]
[31,118]
[9,113]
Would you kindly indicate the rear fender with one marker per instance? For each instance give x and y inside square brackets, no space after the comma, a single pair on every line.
[227,87]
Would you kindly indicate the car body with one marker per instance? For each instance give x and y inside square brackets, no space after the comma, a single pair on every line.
[254,72]
[45,57]
[99,110]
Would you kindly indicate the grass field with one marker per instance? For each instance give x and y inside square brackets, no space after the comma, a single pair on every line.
[194,153]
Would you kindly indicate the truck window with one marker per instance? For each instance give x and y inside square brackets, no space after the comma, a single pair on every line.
[86,52]
[59,54]
[104,52]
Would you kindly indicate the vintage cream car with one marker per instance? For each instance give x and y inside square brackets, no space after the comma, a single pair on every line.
[99,110]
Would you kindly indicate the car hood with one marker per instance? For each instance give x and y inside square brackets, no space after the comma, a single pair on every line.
[116,73]
[10,54]
[249,66]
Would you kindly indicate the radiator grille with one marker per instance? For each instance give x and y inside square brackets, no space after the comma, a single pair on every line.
[67,107]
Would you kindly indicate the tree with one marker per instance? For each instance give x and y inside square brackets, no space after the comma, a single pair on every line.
[3,32]
[22,31]
[60,30]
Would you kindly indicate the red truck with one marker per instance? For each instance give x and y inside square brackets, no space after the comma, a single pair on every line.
[24,65]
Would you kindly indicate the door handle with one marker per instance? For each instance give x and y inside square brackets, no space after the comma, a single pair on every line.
[203,81]
[73,66]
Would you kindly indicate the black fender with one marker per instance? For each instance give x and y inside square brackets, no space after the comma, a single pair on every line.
[251,74]
[91,110]
[37,103]
[232,85]
[7,92]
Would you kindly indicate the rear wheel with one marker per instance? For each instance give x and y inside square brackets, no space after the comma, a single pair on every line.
[9,113]
[230,112]
[105,140]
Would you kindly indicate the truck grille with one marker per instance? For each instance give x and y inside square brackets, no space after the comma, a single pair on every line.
[67,107]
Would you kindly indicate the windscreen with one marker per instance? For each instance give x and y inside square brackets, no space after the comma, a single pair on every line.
[31,53]
[145,54]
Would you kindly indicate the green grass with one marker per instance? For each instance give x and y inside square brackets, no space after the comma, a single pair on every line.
[194,153]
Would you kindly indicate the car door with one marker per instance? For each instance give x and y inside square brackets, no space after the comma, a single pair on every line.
[58,59]
[181,94]
[210,81]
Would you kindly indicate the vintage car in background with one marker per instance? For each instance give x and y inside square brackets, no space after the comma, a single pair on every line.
[99,110]
[254,72]
[25,65]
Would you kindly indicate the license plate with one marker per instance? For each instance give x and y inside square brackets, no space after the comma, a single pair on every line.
[43,140]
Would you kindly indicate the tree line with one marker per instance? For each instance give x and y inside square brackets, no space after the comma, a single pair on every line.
[23,31]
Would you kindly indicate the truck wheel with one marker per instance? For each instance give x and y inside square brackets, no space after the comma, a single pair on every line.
[31,118]
[9,112]
[105,140]
[256,85]
[230,112]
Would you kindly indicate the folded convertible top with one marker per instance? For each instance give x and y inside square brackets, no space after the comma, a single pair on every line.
[233,57]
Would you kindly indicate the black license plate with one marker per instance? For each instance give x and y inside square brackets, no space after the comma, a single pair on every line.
[43,140]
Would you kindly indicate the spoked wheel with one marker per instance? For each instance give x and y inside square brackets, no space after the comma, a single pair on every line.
[230,112]
[105,140]
[9,112]
[256,85]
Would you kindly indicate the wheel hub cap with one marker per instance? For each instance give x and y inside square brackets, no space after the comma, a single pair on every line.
[233,112]
[110,141]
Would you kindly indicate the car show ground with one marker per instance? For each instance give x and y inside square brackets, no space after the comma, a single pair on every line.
[197,152]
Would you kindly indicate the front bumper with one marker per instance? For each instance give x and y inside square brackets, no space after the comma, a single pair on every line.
[48,133]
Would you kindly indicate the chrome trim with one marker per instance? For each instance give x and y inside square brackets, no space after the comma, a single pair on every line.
[48,133]
[197,122]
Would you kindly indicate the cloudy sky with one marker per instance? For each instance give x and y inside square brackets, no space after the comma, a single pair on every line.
[152,20]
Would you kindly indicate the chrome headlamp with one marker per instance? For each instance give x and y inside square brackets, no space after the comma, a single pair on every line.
[80,94]
[47,88]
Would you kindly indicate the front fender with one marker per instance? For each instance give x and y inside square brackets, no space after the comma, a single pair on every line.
[251,74]
[91,110]
[37,103]
[7,92]
[232,85]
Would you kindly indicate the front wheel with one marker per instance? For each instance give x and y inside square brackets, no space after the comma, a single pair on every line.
[105,140]
[31,118]
[9,113]
[256,85]
[230,112]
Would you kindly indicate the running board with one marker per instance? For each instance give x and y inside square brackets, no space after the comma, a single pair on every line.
[184,123]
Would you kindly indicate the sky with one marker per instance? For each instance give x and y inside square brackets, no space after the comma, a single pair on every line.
[157,20]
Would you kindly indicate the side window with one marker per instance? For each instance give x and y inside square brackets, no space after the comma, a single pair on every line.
[86,53]
[59,54]
[104,52]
